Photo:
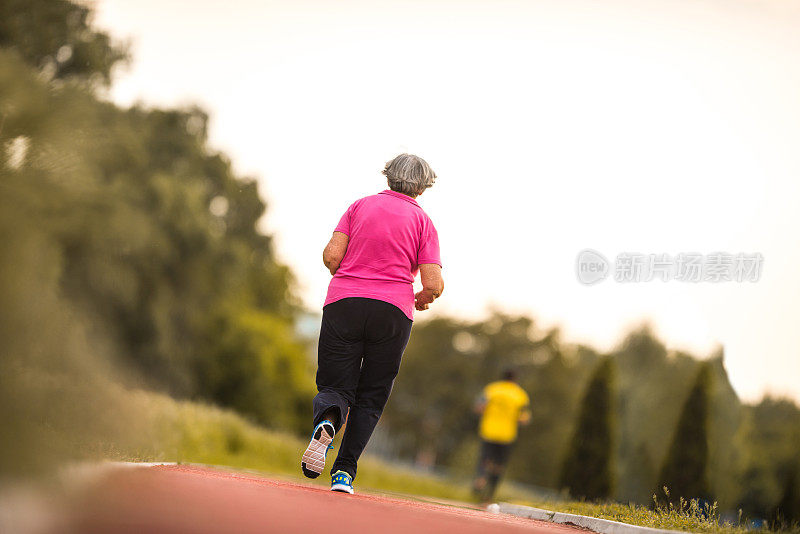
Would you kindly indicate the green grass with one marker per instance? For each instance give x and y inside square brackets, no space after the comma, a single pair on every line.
[639,515]
[687,516]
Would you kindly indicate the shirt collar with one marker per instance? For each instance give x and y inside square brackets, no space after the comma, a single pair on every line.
[399,195]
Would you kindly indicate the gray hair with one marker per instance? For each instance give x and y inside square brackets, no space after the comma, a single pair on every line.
[409,174]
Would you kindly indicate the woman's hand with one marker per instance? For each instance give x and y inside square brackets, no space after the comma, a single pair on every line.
[423,299]
[432,285]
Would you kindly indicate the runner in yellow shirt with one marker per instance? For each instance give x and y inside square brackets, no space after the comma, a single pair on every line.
[503,406]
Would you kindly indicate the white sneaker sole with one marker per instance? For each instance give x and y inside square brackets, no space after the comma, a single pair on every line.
[342,488]
[313,462]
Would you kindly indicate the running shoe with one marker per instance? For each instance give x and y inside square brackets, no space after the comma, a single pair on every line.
[314,458]
[342,481]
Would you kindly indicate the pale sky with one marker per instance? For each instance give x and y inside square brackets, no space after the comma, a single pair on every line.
[623,126]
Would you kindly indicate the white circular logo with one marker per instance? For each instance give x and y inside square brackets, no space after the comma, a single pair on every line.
[591,267]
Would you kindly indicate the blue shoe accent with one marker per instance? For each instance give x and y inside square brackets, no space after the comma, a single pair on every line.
[313,462]
[342,482]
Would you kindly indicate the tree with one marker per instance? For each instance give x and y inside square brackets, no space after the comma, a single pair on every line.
[685,470]
[787,512]
[149,241]
[771,432]
[644,385]
[57,36]
[587,469]
[550,381]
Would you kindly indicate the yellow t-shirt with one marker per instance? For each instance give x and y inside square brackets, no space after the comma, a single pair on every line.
[505,401]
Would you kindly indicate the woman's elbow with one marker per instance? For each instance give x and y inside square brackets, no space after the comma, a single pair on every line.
[334,252]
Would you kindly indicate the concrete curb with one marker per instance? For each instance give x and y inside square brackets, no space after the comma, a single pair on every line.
[602,526]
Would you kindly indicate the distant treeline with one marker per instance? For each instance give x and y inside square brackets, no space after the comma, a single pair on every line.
[130,254]
[619,425]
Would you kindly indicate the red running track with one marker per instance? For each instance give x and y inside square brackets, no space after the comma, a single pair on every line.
[183,499]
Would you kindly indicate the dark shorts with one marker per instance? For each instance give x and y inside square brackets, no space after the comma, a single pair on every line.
[497,453]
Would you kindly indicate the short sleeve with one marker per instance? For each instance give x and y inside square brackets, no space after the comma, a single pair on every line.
[344,222]
[429,246]
[524,399]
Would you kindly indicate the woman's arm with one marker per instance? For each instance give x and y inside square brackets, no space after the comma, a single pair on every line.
[334,252]
[432,285]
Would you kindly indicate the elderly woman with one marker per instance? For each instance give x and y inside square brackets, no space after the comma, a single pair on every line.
[374,255]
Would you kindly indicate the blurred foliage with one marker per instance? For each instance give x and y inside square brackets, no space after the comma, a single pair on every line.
[685,470]
[787,511]
[448,362]
[772,434]
[257,367]
[587,469]
[56,37]
[128,245]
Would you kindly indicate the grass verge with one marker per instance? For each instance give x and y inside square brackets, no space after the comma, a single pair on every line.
[639,515]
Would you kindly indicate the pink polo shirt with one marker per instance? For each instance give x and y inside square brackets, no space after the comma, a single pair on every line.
[390,236]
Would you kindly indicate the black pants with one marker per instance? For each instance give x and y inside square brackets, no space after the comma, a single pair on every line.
[361,343]
[491,464]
